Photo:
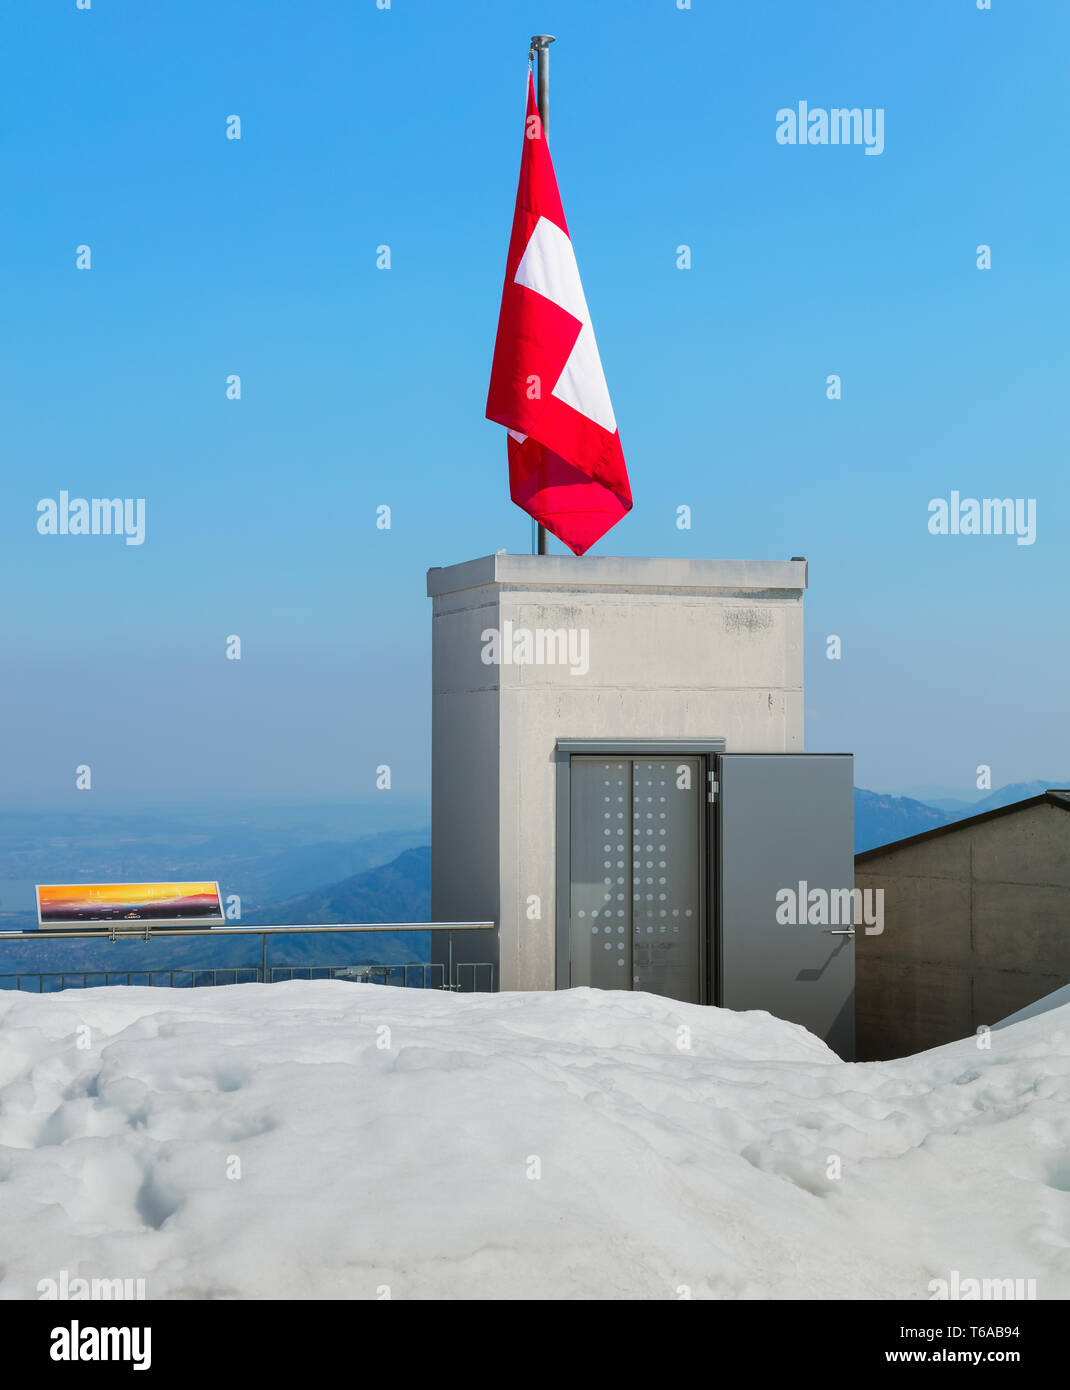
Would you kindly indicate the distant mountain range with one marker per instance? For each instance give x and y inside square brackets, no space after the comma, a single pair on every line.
[880,818]
[323,864]
[1005,796]
[401,890]
[396,892]
[263,855]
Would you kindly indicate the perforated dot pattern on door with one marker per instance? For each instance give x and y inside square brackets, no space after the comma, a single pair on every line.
[636,874]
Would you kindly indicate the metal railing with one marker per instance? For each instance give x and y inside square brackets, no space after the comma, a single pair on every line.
[54,960]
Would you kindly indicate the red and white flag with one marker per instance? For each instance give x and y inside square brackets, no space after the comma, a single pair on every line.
[566,468]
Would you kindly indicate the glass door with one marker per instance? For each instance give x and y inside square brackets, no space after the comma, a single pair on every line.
[637,875]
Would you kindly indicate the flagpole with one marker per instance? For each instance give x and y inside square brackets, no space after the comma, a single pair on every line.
[540,48]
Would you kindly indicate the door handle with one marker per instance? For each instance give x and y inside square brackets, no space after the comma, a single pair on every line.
[846,931]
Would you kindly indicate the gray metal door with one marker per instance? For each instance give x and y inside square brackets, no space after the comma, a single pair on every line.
[787,829]
[637,875]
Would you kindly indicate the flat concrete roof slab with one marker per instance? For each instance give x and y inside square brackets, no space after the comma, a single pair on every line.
[617,572]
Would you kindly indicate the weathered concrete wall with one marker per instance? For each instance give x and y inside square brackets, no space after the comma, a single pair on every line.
[680,648]
[976,926]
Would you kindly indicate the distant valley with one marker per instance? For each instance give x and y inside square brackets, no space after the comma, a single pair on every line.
[265,856]
[310,865]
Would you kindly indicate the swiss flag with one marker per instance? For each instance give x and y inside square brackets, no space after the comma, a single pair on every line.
[547,387]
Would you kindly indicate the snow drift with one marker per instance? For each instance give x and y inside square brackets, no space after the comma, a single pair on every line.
[329,1139]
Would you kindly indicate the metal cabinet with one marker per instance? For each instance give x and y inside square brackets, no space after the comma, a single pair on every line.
[710,877]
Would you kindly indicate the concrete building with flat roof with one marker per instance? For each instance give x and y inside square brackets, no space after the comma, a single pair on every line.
[619,781]
[976,926]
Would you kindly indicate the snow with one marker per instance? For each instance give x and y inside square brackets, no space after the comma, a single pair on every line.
[1048,1001]
[406,1160]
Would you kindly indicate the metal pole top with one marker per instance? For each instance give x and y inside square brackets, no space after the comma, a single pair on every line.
[542,41]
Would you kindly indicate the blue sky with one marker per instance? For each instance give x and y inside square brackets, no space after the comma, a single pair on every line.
[361,387]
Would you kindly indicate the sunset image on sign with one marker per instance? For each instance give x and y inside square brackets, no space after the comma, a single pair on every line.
[83,904]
